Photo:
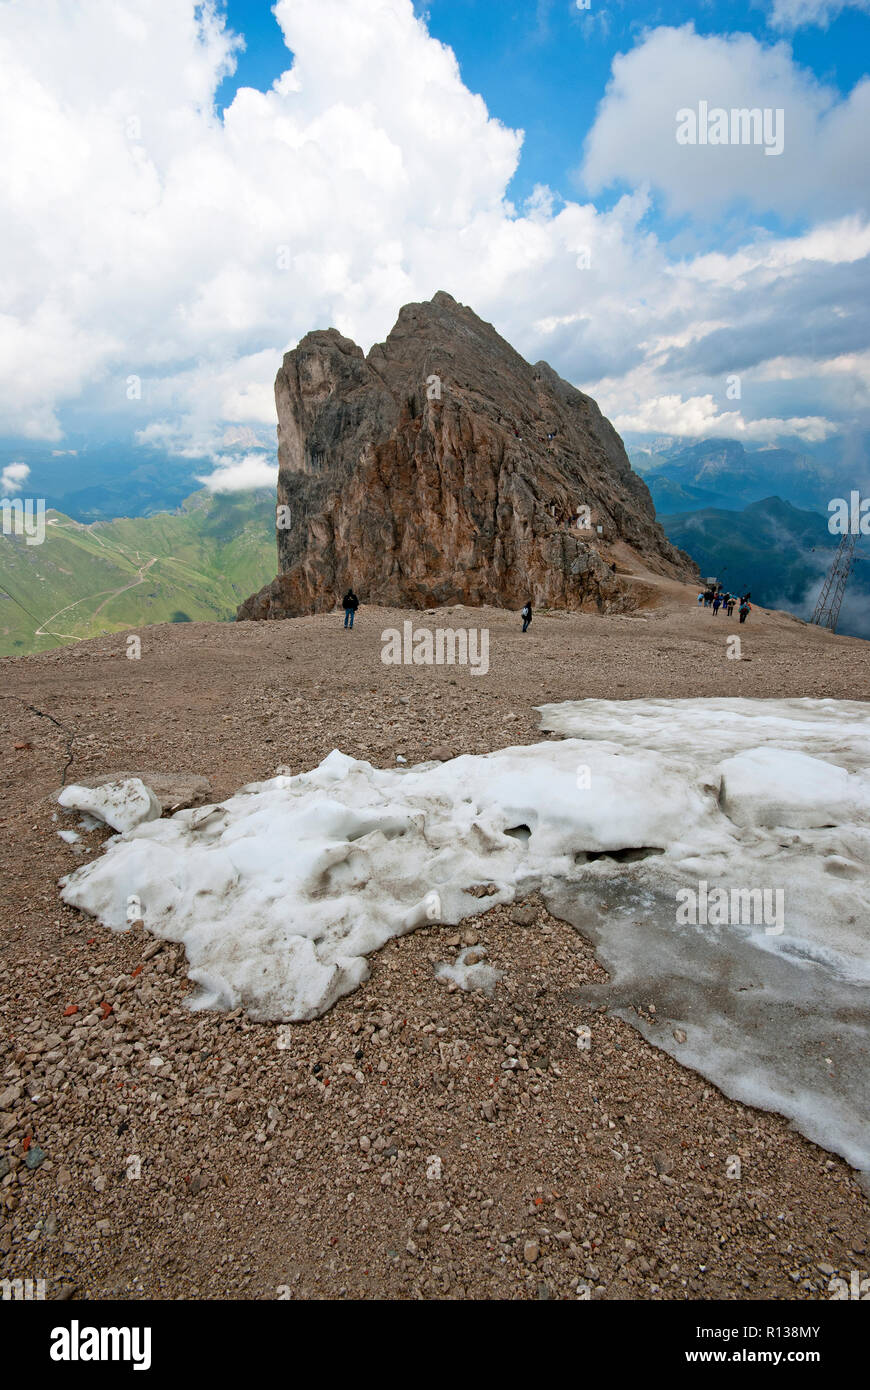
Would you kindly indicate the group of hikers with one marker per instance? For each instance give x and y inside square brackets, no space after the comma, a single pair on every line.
[715,598]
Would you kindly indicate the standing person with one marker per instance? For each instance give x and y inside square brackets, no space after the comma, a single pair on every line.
[744,609]
[717,604]
[708,597]
[350,603]
[729,604]
[700,598]
[526,615]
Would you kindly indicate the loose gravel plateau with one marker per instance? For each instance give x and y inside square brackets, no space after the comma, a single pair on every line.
[417,1141]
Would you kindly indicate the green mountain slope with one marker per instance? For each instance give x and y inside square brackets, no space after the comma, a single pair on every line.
[196,564]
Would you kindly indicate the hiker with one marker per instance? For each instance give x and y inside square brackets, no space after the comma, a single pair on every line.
[717,604]
[744,609]
[708,597]
[350,603]
[526,615]
[729,605]
[700,598]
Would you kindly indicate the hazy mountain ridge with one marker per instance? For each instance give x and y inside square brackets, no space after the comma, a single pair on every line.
[723,473]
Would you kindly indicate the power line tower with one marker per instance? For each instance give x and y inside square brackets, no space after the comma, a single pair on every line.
[827,612]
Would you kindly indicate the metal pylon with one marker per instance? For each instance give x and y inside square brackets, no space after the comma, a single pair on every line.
[827,611]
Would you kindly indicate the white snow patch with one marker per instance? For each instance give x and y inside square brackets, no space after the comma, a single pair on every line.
[477,975]
[122,805]
[69,835]
[281,892]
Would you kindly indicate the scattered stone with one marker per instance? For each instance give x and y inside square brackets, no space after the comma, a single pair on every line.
[524,915]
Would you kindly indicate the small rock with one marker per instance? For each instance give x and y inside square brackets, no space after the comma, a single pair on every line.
[34,1157]
[531,1251]
[442,753]
[524,915]
[679,1035]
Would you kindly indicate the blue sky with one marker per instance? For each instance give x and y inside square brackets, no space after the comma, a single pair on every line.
[543,65]
[190,187]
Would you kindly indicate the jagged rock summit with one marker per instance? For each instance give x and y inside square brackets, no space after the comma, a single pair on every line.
[443,468]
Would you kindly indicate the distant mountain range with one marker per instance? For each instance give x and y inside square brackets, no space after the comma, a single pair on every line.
[96,482]
[757,519]
[777,551]
[195,564]
[721,473]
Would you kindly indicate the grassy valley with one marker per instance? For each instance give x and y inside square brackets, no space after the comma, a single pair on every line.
[192,565]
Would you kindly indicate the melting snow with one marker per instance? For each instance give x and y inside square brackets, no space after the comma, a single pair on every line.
[281,892]
[122,805]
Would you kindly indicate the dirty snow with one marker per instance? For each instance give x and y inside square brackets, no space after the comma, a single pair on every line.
[281,892]
[122,805]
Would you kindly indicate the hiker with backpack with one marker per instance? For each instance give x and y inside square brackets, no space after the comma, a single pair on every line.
[350,603]
[526,615]
[745,609]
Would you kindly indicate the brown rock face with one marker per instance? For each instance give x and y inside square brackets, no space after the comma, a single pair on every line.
[423,474]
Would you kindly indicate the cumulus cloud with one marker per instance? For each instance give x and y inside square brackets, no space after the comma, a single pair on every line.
[700,418]
[635,133]
[240,474]
[143,236]
[13,477]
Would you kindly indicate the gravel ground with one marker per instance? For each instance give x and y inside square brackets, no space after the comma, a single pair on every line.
[417,1141]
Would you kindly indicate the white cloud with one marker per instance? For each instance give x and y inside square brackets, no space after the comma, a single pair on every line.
[13,477]
[794,14]
[822,163]
[699,418]
[240,474]
[142,235]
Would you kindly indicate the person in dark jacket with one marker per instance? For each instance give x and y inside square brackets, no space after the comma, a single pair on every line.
[526,615]
[350,603]
[745,609]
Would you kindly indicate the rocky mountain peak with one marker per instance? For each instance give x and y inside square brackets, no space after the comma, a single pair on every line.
[443,467]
